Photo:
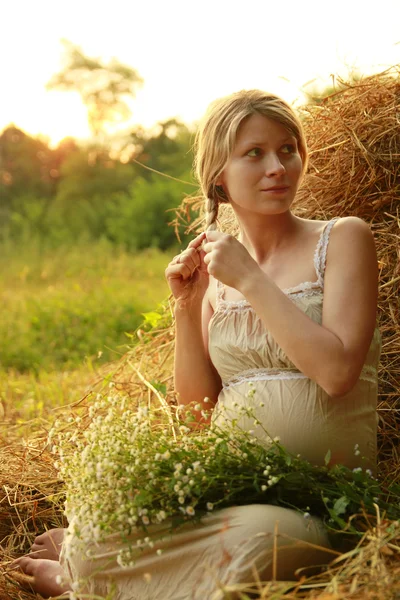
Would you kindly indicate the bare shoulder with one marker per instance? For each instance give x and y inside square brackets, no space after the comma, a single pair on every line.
[352,254]
[352,235]
[353,226]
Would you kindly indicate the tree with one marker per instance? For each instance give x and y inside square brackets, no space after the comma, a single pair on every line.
[104,89]
[168,150]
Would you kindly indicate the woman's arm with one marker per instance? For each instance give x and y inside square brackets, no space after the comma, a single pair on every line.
[332,354]
[195,376]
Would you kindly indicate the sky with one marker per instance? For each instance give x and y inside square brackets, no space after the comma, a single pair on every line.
[188,52]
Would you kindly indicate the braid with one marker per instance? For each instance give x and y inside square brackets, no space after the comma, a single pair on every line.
[211,214]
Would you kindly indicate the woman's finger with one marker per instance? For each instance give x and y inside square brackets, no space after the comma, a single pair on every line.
[208,247]
[190,257]
[177,271]
[196,243]
[214,235]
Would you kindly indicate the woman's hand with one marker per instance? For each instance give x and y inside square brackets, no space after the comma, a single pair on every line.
[228,260]
[187,274]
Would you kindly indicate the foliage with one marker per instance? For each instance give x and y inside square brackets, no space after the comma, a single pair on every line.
[167,150]
[28,167]
[146,472]
[93,195]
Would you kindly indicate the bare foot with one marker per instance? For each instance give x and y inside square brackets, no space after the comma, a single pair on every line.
[48,544]
[48,575]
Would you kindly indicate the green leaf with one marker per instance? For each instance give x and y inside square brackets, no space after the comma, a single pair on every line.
[340,505]
[152,318]
[160,387]
[328,458]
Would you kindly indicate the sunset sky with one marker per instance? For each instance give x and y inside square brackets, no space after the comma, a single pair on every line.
[187,51]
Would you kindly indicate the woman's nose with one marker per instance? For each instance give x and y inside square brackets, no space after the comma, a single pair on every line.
[273,165]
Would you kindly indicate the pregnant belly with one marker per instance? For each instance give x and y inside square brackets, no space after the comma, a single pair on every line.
[307,421]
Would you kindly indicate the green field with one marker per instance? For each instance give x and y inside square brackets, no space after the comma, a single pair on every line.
[66,313]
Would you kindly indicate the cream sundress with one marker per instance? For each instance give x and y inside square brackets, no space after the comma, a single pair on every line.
[231,544]
[296,409]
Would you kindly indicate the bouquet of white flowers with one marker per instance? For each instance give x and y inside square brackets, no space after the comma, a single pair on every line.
[128,469]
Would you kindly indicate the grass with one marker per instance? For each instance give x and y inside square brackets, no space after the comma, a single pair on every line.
[65,315]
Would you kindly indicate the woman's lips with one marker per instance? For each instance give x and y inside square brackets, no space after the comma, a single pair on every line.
[276,189]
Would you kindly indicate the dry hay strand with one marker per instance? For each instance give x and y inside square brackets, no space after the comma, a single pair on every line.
[30,496]
[354,143]
[30,502]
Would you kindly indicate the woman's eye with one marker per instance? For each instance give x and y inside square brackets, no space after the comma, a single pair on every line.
[254,152]
[288,149]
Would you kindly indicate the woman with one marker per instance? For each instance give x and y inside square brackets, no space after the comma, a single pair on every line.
[288,308]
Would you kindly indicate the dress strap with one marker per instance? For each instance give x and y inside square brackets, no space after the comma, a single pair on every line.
[321,250]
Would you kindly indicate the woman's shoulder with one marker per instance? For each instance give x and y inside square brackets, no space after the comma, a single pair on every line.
[344,226]
[352,248]
[349,230]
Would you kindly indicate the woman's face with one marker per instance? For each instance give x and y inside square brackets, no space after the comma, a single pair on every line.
[263,173]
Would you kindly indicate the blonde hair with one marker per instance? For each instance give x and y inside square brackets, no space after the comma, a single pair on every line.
[216,136]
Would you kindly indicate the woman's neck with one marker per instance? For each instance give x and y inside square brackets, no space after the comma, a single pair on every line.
[263,235]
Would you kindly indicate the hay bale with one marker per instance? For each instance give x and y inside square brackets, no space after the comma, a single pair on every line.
[354,144]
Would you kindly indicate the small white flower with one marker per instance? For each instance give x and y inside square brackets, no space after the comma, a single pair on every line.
[210,506]
[190,510]
[197,407]
[206,400]
[145,520]
[306,515]
[159,552]
[357,453]
[263,488]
